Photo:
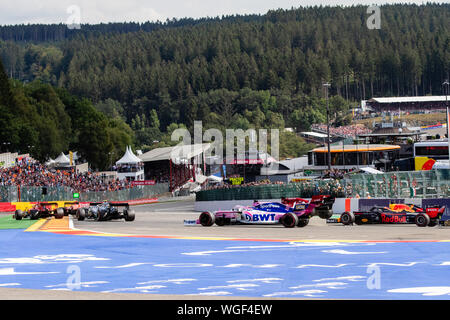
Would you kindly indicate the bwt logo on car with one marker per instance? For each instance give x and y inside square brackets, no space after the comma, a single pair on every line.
[260,217]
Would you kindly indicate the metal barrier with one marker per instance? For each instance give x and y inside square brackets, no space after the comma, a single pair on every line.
[32,194]
[408,184]
[305,189]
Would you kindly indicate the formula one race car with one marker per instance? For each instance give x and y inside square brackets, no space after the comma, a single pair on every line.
[290,213]
[71,207]
[40,210]
[104,211]
[401,215]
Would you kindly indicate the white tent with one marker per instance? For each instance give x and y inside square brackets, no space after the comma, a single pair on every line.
[62,160]
[49,162]
[128,158]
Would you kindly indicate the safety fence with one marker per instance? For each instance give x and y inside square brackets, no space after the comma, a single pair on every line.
[25,193]
[304,189]
[407,184]
[410,184]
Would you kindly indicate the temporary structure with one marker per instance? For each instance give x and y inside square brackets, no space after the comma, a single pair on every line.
[62,160]
[128,158]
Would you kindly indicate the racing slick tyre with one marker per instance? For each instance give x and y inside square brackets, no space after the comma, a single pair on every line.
[302,222]
[99,216]
[18,215]
[220,221]
[81,214]
[34,215]
[422,220]
[289,220]
[325,213]
[347,218]
[433,222]
[207,219]
[59,213]
[129,215]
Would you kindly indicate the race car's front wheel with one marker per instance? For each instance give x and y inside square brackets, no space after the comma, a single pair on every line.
[347,218]
[220,221]
[130,215]
[324,213]
[433,222]
[18,215]
[59,213]
[289,220]
[422,220]
[302,222]
[81,214]
[207,219]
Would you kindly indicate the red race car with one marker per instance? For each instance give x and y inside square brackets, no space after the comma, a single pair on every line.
[41,210]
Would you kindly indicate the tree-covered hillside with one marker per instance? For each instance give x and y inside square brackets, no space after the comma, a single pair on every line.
[241,71]
[44,121]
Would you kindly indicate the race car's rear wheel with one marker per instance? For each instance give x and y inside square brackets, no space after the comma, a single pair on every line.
[81,214]
[129,215]
[207,219]
[347,218]
[422,220]
[59,213]
[302,222]
[18,215]
[289,220]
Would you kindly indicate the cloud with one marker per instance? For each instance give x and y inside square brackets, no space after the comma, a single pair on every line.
[425,291]
[98,11]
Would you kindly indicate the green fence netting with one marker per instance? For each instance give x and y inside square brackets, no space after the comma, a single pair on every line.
[10,193]
[410,184]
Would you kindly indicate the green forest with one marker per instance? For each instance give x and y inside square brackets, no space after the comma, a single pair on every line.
[130,83]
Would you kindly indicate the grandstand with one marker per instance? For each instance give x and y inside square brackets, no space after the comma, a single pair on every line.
[175,165]
[425,103]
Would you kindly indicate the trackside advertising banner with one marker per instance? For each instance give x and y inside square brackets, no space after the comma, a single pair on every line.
[143,183]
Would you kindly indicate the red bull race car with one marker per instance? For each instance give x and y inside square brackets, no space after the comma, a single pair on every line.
[397,214]
[290,212]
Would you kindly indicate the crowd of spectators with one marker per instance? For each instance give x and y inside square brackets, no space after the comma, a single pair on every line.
[343,131]
[35,174]
[248,184]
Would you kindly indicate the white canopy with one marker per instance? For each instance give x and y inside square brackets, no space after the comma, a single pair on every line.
[370,170]
[128,158]
[62,160]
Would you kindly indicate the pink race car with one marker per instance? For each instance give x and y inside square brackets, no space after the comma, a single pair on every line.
[290,212]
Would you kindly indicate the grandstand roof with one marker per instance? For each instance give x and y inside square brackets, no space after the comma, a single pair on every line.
[358,148]
[314,134]
[409,99]
[181,152]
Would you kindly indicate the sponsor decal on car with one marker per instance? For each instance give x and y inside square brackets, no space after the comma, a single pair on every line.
[393,218]
[260,217]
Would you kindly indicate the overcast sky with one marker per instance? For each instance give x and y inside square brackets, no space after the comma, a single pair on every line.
[96,11]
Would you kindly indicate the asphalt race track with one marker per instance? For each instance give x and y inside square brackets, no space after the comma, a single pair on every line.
[156,256]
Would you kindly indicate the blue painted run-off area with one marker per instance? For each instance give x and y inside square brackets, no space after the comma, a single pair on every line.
[37,260]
